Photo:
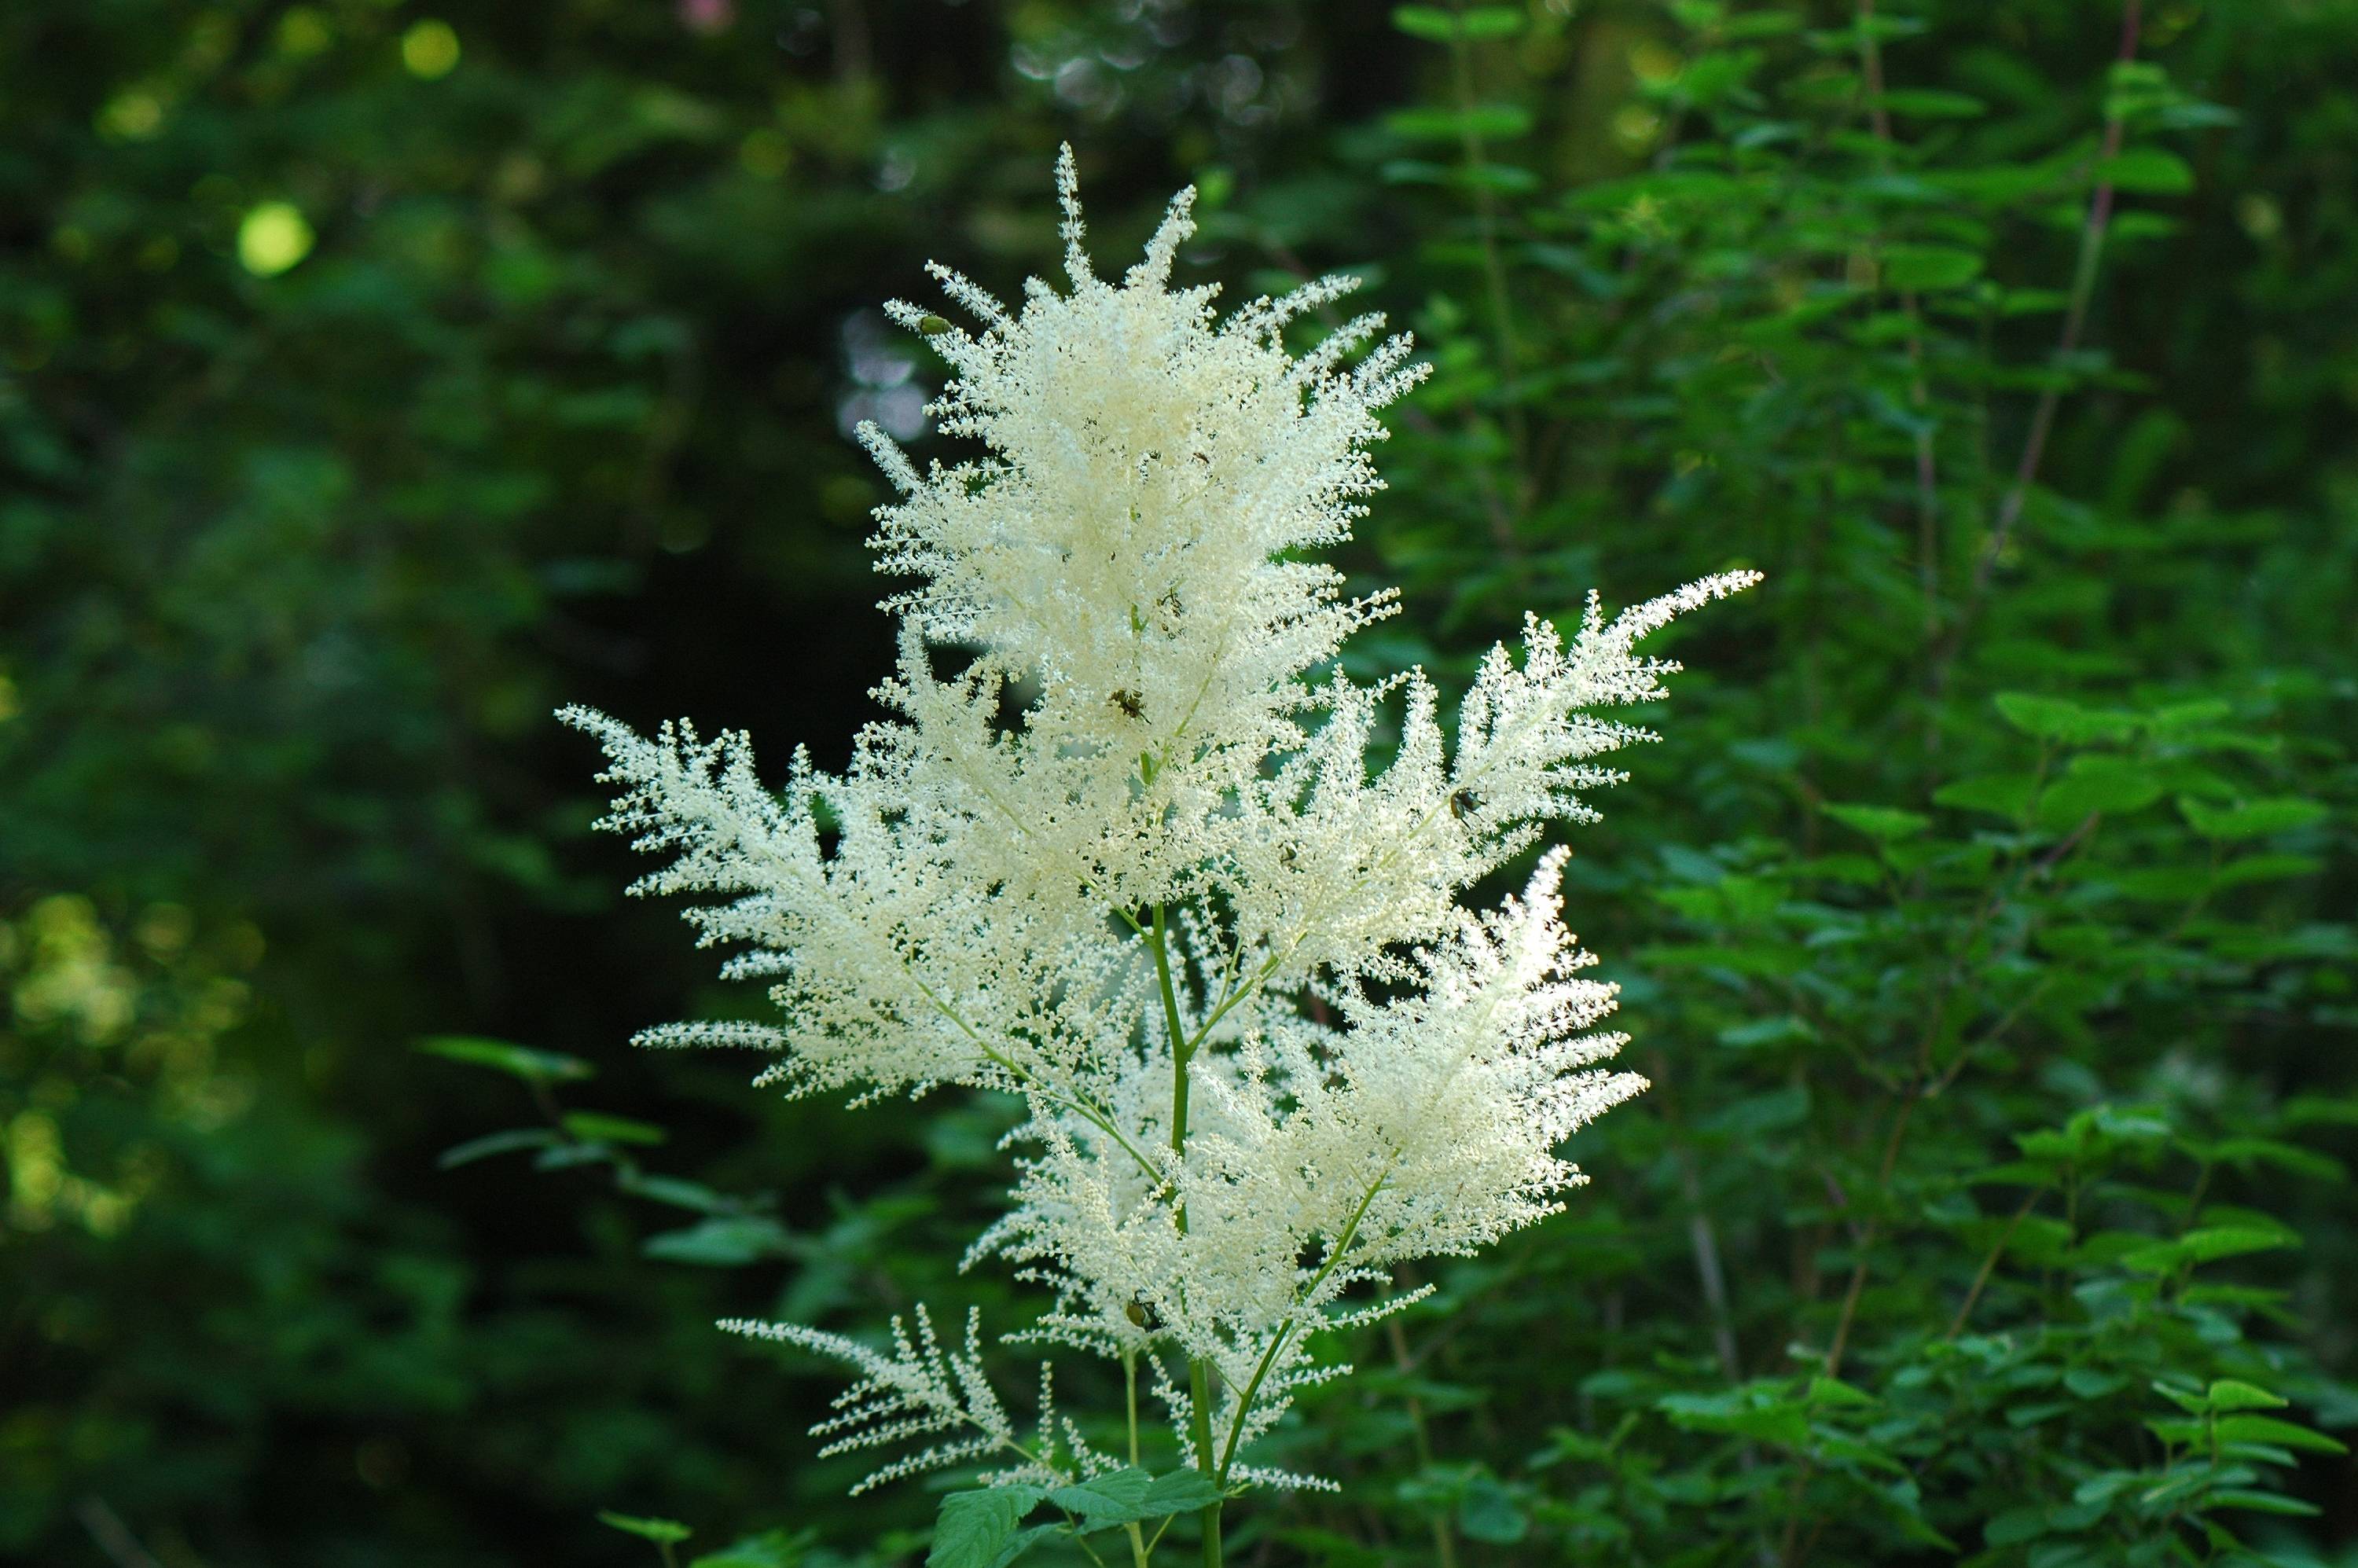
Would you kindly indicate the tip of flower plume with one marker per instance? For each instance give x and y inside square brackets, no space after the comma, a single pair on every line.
[1068,198]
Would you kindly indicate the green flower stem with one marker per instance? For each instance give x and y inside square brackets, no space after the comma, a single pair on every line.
[1130,1411]
[1268,1357]
[1199,1381]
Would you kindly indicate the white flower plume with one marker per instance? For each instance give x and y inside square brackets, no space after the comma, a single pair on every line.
[1269,1055]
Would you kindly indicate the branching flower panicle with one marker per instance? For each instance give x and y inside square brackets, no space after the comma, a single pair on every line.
[1267,1053]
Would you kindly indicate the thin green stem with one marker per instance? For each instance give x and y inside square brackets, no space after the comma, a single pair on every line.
[1268,1357]
[1031,1081]
[1182,1049]
[1200,1381]
[1022,1074]
[1130,1399]
[1130,1411]
[1199,1392]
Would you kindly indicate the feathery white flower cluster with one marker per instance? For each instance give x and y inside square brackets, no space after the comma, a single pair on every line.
[921,1391]
[1268,1056]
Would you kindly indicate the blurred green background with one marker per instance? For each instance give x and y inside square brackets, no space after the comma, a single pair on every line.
[377,376]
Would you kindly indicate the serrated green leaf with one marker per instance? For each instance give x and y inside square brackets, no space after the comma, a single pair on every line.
[665,1530]
[2001,795]
[678,1191]
[1507,177]
[595,1127]
[2266,868]
[722,1243]
[2245,1152]
[1023,1541]
[1179,1492]
[2163,885]
[2058,718]
[2101,1488]
[1933,103]
[2015,1174]
[1748,25]
[1879,822]
[974,1526]
[2212,1242]
[565,1156]
[2031,301]
[2283,1434]
[2252,819]
[2149,171]
[1499,122]
[1487,1512]
[1929,266]
[494,1143]
[2178,718]
[1431,23]
[2233,1394]
[2109,785]
[1736,1415]
[1779,1030]
[518,1061]
[1439,25]
[771,1549]
[1490,21]
[1825,1390]
[1128,1495]
[2260,1502]
[2015,1526]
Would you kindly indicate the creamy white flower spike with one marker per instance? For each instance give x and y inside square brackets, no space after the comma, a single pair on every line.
[1267,1055]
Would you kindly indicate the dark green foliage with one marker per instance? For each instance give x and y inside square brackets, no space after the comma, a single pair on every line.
[1992,945]
[1984,921]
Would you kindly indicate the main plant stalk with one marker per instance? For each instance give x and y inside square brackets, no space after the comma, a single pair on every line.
[1200,1381]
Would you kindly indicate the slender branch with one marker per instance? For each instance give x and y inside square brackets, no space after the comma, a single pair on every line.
[1873,1232]
[1278,1341]
[1031,1081]
[1998,1248]
[1928,492]
[112,1536]
[1791,1549]
[1494,276]
[1445,1541]
[1705,1240]
[2075,315]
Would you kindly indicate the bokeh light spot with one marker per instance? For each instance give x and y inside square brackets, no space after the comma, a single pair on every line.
[431,49]
[132,116]
[271,238]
